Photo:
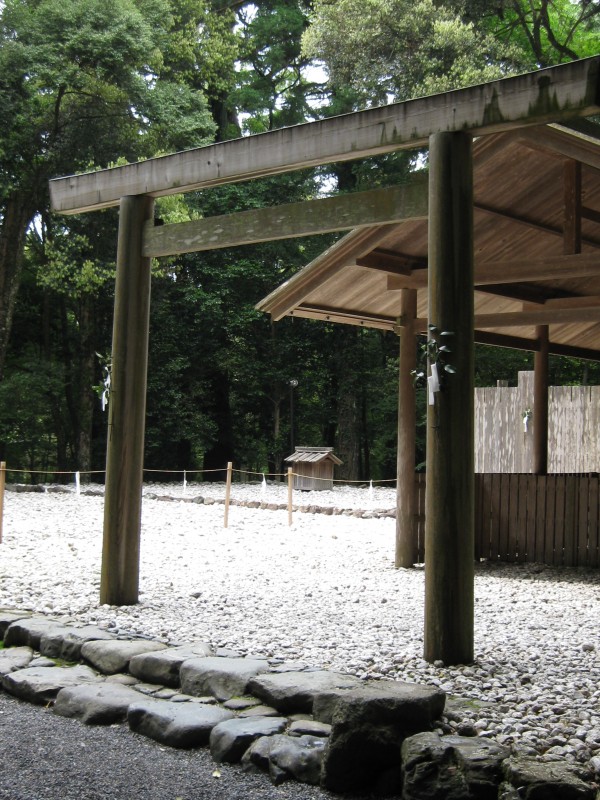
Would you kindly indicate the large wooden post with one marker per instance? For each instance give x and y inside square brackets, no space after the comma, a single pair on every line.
[540,403]
[571,246]
[127,408]
[449,531]
[407,420]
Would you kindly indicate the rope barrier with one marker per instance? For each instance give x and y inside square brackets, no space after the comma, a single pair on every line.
[289,475]
[187,472]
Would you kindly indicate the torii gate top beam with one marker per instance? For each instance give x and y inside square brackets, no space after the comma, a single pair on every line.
[561,92]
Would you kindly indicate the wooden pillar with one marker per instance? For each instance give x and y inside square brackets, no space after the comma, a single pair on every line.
[407,421]
[572,208]
[540,403]
[449,530]
[571,246]
[127,408]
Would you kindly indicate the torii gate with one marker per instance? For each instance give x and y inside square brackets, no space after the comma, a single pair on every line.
[447,124]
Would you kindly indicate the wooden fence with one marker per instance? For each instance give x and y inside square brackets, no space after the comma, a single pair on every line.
[505,444]
[549,519]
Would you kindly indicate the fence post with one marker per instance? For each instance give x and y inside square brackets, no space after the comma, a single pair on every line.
[290,477]
[2,484]
[228,492]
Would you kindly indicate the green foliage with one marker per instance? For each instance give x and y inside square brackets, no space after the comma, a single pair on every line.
[272,85]
[386,49]
[70,267]
[88,83]
[27,398]
[546,31]
[435,350]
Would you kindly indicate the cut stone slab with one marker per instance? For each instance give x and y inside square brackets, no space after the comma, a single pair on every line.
[289,666]
[96,704]
[299,757]
[296,691]
[410,706]
[460,767]
[42,661]
[114,656]
[259,711]
[309,727]
[9,615]
[241,703]
[41,684]
[147,688]
[181,725]
[287,757]
[66,643]
[369,725]
[29,631]
[125,680]
[256,757]
[163,666]
[14,658]
[224,678]
[229,740]
[51,638]
[537,780]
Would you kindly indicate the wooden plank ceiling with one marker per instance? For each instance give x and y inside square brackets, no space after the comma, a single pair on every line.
[537,249]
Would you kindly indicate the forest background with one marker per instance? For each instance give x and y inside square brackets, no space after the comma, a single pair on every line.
[86,84]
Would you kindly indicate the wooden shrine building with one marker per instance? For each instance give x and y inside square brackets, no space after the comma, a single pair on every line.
[313,467]
[482,245]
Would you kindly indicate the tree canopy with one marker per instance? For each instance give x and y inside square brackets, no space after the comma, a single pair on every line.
[85,84]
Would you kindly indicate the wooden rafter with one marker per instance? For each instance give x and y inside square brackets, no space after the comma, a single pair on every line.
[583,265]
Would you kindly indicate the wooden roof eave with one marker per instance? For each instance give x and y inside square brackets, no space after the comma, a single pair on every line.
[353,245]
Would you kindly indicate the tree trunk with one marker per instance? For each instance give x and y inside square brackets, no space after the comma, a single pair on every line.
[86,393]
[218,456]
[348,439]
[18,212]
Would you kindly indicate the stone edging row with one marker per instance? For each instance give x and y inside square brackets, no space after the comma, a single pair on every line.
[319,727]
[378,513]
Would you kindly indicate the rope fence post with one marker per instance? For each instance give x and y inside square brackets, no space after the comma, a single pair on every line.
[290,478]
[228,493]
[184,480]
[77,483]
[2,484]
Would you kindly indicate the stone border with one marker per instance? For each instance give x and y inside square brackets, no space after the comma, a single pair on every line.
[294,722]
[378,513]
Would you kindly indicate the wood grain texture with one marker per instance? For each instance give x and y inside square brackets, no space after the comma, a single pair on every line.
[550,95]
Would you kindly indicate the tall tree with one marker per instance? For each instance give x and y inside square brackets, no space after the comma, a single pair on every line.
[395,49]
[85,82]
[80,82]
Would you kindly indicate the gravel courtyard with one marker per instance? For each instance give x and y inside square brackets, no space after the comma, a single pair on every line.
[324,592]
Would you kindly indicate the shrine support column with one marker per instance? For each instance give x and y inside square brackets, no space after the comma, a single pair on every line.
[449,531]
[127,409]
[407,422]
[540,402]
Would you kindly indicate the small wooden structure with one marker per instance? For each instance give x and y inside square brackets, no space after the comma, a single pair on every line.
[313,467]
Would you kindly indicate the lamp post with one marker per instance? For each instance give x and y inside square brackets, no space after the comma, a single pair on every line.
[293,385]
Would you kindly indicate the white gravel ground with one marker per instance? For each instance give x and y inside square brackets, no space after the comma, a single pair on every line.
[325,592]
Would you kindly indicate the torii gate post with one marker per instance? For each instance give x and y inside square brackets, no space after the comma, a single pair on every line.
[119,584]
[449,498]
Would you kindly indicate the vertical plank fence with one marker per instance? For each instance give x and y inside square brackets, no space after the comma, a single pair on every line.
[549,519]
[504,438]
